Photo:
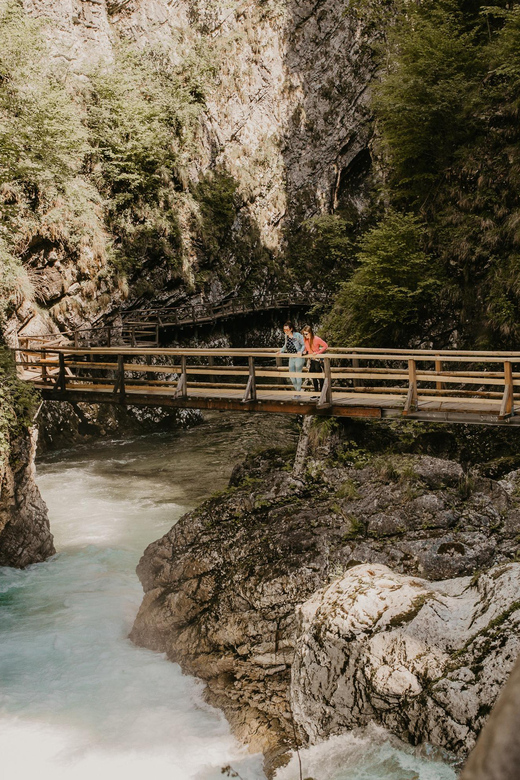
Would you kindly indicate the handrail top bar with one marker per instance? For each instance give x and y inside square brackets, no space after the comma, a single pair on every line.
[270,352]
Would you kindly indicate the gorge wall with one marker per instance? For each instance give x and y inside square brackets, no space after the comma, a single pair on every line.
[157,149]
[282,116]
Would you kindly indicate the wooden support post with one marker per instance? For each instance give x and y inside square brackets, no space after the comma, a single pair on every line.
[250,391]
[326,394]
[76,339]
[182,384]
[279,361]
[43,365]
[61,380]
[132,335]
[411,398]
[438,370]
[119,386]
[303,445]
[356,382]
[507,408]
[157,335]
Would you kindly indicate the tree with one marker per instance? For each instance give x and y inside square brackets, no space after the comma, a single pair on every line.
[391,295]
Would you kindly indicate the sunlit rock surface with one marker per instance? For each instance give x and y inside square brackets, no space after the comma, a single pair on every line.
[425,659]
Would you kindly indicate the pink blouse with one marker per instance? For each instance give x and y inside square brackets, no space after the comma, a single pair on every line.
[318,344]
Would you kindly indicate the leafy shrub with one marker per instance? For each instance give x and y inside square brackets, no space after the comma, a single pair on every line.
[142,116]
[391,290]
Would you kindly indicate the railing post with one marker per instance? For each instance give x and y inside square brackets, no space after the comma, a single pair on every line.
[76,339]
[411,398]
[507,408]
[356,382]
[250,391]
[60,383]
[438,369]
[43,356]
[119,386]
[326,393]
[182,384]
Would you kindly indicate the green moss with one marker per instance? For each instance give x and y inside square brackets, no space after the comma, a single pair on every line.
[357,528]
[410,614]
[348,490]
[18,402]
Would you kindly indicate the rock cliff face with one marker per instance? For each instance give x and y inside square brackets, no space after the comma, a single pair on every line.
[223,589]
[25,536]
[286,117]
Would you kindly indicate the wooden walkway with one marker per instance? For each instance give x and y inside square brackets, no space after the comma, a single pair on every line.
[142,327]
[447,386]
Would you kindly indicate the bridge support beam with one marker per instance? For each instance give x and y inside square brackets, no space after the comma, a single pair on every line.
[119,384]
[411,398]
[302,448]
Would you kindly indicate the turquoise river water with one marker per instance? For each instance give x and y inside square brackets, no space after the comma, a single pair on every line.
[77,699]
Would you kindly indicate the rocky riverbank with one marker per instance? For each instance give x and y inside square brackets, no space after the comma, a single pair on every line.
[25,535]
[383,589]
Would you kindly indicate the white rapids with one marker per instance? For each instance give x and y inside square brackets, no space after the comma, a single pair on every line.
[78,700]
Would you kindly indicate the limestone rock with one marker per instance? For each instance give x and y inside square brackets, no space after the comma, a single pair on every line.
[425,659]
[222,588]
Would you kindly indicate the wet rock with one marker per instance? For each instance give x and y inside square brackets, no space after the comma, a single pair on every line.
[25,535]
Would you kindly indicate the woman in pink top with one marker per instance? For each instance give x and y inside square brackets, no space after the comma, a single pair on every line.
[314,346]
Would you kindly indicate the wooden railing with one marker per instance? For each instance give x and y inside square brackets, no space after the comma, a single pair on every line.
[418,383]
[199,313]
[141,327]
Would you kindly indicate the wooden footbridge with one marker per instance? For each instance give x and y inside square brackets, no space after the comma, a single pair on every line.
[445,385]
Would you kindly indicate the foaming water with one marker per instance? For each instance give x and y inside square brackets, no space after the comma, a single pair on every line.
[77,698]
[371,754]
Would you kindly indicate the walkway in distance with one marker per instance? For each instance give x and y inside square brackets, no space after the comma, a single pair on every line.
[445,385]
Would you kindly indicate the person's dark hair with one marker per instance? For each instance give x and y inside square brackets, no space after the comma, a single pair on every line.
[289,324]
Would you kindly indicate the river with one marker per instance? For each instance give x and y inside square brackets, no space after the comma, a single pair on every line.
[77,699]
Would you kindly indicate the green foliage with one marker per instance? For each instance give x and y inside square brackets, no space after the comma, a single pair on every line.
[230,247]
[321,251]
[426,102]
[348,490]
[142,116]
[18,402]
[391,291]
[13,281]
[42,139]
[448,137]
[218,199]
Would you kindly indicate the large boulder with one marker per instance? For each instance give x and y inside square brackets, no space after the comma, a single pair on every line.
[425,659]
